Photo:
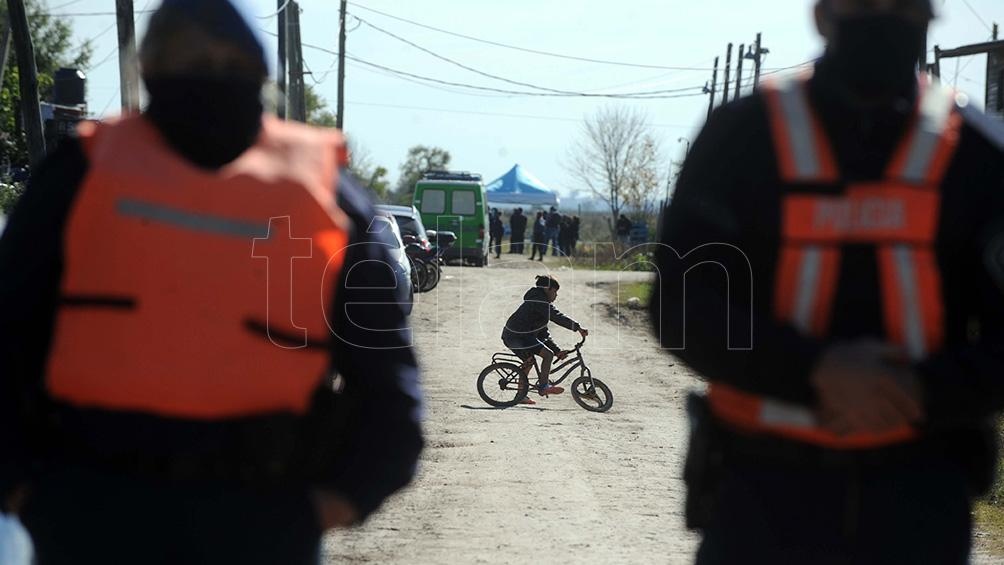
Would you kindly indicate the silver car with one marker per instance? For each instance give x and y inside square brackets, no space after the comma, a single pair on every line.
[385,227]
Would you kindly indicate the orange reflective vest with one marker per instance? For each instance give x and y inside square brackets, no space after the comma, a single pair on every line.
[198,294]
[898,214]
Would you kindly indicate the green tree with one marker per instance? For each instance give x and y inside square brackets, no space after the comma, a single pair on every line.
[373,177]
[420,160]
[52,38]
[318,113]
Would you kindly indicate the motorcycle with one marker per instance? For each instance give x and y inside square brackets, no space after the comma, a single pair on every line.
[427,264]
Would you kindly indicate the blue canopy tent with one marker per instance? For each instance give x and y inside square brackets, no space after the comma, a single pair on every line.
[520,187]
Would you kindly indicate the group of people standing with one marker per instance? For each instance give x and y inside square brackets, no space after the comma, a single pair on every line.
[560,232]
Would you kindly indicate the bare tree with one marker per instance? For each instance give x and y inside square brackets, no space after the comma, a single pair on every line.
[619,160]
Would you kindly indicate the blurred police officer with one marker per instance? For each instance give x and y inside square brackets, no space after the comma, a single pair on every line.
[178,288]
[851,389]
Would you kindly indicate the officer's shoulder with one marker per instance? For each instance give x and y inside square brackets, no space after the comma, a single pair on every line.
[989,129]
[745,114]
[353,198]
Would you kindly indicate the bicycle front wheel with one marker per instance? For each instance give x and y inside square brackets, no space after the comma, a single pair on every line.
[503,385]
[592,394]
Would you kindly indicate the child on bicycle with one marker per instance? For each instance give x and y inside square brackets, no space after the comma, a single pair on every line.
[526,334]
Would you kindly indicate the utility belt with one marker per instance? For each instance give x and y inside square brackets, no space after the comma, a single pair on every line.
[715,446]
[261,450]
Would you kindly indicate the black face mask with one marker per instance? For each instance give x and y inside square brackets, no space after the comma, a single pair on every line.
[876,55]
[209,121]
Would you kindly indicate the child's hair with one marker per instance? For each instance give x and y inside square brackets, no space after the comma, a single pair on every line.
[547,281]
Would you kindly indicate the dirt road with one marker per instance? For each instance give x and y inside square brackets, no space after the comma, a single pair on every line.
[551,483]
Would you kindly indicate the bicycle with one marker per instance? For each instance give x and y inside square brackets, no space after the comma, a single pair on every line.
[504,383]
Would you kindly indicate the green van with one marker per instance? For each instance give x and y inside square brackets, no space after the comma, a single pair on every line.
[456,201]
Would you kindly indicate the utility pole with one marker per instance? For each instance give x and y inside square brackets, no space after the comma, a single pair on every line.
[714,87]
[128,75]
[996,31]
[758,53]
[4,49]
[280,80]
[728,68]
[297,96]
[340,118]
[739,71]
[27,80]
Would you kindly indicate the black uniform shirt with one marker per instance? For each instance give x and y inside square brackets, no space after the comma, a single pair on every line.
[729,196]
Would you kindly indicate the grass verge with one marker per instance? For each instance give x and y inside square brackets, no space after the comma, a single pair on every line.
[640,290]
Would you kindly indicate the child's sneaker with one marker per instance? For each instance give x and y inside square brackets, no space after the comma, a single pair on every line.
[528,401]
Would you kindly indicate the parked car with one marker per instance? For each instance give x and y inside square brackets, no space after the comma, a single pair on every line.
[456,202]
[385,227]
[409,221]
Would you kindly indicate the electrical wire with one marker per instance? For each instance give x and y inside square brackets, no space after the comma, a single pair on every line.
[494,114]
[528,50]
[66,5]
[669,94]
[87,14]
[500,78]
[978,16]
[275,13]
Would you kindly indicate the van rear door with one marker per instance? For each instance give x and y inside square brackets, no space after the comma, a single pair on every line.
[464,205]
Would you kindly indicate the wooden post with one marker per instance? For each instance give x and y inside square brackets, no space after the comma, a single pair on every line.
[128,73]
[340,118]
[714,87]
[297,95]
[937,65]
[280,80]
[4,50]
[728,68]
[757,61]
[31,112]
[739,71]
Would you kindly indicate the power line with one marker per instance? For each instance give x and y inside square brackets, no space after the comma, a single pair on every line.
[630,96]
[66,5]
[500,78]
[528,50]
[275,13]
[85,14]
[978,16]
[495,114]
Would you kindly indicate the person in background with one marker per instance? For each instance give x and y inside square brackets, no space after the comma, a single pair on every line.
[496,229]
[553,225]
[565,236]
[624,230]
[517,228]
[574,236]
[539,242]
[153,407]
[851,398]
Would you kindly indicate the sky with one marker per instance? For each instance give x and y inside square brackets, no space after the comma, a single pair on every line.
[488,132]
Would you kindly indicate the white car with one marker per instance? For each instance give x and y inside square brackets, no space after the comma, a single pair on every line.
[388,232]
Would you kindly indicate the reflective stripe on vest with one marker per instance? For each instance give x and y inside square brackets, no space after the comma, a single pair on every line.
[197,294]
[803,150]
[750,412]
[899,215]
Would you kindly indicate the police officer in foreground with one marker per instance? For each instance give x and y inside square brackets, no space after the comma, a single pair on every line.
[840,238]
[177,289]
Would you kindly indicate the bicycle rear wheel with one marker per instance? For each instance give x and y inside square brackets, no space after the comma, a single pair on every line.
[502,385]
[592,394]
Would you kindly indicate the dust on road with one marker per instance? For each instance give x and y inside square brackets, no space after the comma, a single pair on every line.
[550,483]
